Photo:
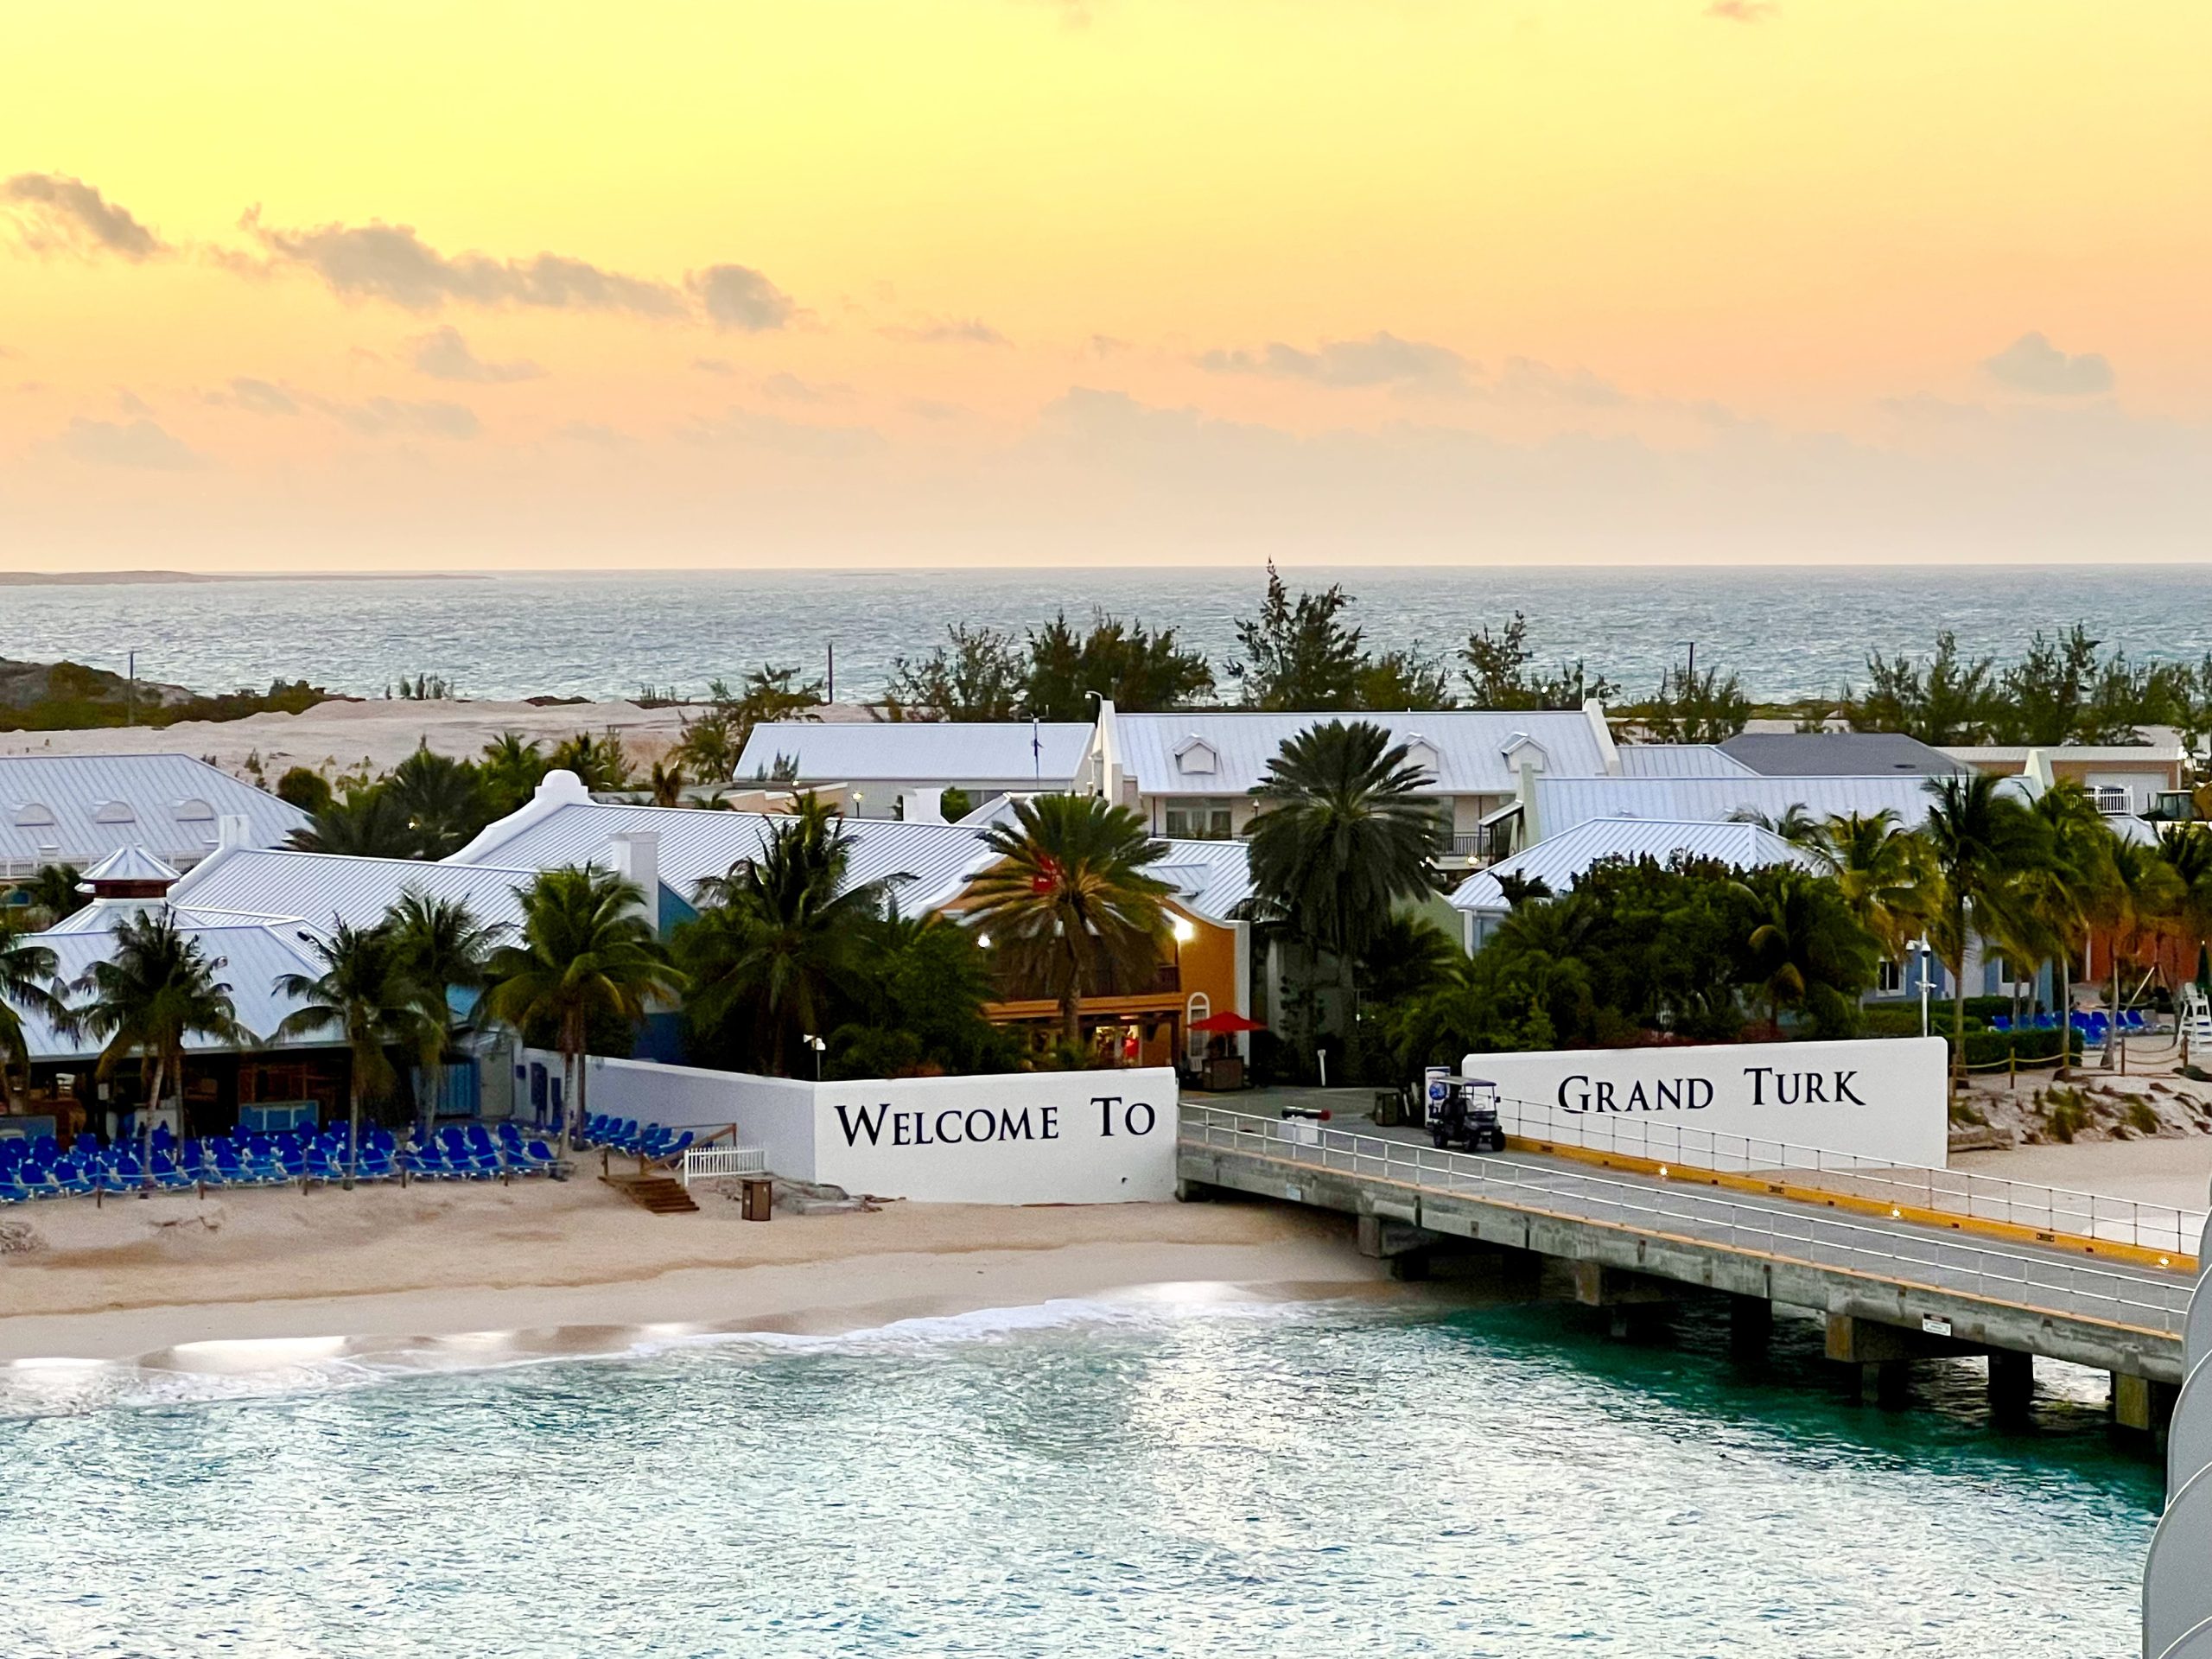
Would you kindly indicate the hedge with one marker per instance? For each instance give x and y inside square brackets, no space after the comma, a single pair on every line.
[1992,1049]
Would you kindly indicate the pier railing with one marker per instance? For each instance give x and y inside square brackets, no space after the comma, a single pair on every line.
[720,1163]
[2160,1228]
[2024,1278]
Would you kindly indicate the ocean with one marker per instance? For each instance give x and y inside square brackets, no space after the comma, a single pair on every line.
[1788,632]
[1107,1479]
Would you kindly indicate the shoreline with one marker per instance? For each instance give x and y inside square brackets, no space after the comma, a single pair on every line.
[513,1274]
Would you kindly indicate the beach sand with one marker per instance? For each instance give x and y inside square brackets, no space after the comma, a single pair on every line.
[574,1267]
[2165,1170]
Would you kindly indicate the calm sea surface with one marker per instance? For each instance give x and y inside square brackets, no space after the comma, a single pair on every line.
[1324,1478]
[1787,633]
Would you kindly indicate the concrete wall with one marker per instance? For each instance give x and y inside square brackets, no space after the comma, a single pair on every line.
[1733,1106]
[1056,1137]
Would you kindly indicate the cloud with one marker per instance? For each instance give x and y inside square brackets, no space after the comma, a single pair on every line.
[950,331]
[139,444]
[752,430]
[54,212]
[381,415]
[591,432]
[737,296]
[789,389]
[928,409]
[378,261]
[444,355]
[1524,379]
[1380,359]
[2032,363]
[1104,346]
[1744,11]
[712,366]
[262,397]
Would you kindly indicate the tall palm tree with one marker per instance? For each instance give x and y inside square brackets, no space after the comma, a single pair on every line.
[2062,894]
[776,936]
[1982,841]
[27,985]
[370,823]
[588,954]
[665,784]
[600,762]
[52,893]
[365,993]
[442,799]
[1345,832]
[1806,950]
[1071,905]
[1881,869]
[511,768]
[157,990]
[445,950]
[1794,824]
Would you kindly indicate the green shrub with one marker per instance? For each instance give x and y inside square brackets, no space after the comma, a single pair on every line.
[1992,1049]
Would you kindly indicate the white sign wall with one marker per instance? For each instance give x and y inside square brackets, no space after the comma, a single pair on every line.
[1743,1106]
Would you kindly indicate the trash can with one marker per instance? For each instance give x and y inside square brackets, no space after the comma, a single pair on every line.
[1389,1108]
[759,1196]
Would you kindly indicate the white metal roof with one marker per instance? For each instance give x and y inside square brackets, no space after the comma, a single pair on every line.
[1471,746]
[1210,878]
[326,888]
[2150,756]
[77,809]
[938,859]
[1005,754]
[129,864]
[251,957]
[1681,760]
[1559,862]
[1563,803]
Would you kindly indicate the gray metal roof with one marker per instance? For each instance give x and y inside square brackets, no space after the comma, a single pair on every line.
[1679,761]
[996,753]
[77,809]
[1559,862]
[1838,755]
[1210,878]
[129,864]
[1474,747]
[326,888]
[252,956]
[1563,803]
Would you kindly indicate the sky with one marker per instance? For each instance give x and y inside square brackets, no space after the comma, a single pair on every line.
[416,286]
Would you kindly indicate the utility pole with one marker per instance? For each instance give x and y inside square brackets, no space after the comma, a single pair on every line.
[831,686]
[131,691]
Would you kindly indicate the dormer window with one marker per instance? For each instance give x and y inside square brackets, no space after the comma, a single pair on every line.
[1196,757]
[115,812]
[193,811]
[1520,750]
[1421,754]
[32,814]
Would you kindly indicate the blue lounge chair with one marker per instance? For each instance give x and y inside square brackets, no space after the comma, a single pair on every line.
[167,1173]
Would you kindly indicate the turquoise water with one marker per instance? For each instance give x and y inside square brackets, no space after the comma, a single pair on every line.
[1324,1478]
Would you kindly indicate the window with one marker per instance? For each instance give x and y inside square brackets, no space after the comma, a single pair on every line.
[193,811]
[115,812]
[34,812]
[1199,1007]
[1200,821]
[1889,978]
[1194,756]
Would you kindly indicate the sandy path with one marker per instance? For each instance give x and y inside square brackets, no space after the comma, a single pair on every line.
[134,1277]
[2167,1170]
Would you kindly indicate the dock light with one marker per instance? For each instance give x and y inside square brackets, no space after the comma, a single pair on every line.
[1896,1211]
[2163,1262]
[819,1048]
[1663,1169]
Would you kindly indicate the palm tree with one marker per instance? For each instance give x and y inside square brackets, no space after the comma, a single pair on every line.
[2062,894]
[442,799]
[52,892]
[27,985]
[445,949]
[157,990]
[1796,826]
[776,936]
[1344,833]
[2136,901]
[598,761]
[365,993]
[1070,905]
[1881,869]
[1982,840]
[2187,849]
[665,783]
[370,823]
[1806,950]
[588,954]
[511,768]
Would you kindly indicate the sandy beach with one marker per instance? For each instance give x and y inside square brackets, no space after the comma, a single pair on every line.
[574,1267]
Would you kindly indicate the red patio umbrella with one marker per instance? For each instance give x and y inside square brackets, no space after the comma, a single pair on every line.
[1227,1023]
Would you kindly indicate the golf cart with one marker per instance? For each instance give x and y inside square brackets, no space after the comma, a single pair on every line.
[1462,1112]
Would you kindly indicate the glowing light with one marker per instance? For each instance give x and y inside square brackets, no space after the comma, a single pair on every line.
[1182,931]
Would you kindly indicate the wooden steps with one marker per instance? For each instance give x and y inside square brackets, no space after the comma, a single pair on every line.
[661,1194]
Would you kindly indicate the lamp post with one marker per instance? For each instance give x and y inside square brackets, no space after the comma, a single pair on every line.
[1926,951]
[819,1047]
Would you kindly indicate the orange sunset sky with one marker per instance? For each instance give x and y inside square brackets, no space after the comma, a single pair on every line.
[407,285]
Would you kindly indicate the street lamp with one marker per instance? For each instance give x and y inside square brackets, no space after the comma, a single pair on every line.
[819,1047]
[1926,950]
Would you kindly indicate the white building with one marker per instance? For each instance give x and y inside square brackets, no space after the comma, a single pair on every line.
[902,768]
[77,809]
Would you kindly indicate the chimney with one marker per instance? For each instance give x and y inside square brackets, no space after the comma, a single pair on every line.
[232,832]
[637,858]
[923,805]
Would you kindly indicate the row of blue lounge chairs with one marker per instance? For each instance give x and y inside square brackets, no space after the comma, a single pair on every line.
[2095,1026]
[652,1142]
[42,1168]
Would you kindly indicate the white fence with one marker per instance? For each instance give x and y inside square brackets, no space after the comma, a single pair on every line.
[720,1163]
[2021,1277]
[2158,1227]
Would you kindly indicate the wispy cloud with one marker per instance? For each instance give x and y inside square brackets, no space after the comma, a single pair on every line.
[2032,363]
[378,416]
[1379,360]
[1743,12]
[261,396]
[947,331]
[54,212]
[740,297]
[140,445]
[444,355]
[789,389]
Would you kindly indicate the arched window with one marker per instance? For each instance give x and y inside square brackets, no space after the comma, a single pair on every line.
[1194,1042]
